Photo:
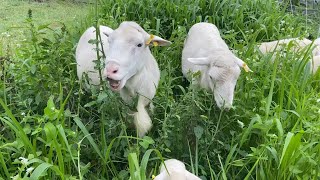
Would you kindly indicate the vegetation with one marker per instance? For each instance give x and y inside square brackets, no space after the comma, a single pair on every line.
[54,127]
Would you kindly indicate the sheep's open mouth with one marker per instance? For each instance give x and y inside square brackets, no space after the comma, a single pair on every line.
[114,84]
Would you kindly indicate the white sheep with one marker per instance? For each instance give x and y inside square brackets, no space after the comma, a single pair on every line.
[315,63]
[205,51]
[86,53]
[176,170]
[297,45]
[130,67]
[317,42]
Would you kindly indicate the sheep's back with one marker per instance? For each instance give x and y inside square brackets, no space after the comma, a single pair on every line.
[86,53]
[203,39]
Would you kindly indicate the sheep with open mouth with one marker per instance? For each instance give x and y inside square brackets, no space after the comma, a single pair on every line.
[130,68]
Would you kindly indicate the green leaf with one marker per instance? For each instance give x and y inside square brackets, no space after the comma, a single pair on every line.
[4,166]
[248,130]
[16,126]
[50,111]
[145,160]
[238,163]
[43,26]
[198,131]
[89,137]
[279,128]
[292,143]
[274,153]
[146,142]
[89,104]
[196,74]
[230,155]
[33,69]
[63,135]
[134,166]
[286,144]
[224,176]
[40,171]
[51,131]
[93,41]
[50,103]
[102,96]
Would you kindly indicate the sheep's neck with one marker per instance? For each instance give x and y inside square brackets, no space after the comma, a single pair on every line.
[147,77]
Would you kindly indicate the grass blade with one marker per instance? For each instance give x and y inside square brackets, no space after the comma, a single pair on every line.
[145,160]
[89,137]
[18,129]
[4,166]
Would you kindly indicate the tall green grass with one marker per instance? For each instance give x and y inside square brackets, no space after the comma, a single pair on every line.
[55,127]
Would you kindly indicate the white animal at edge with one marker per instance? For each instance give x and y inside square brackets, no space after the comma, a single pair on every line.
[176,170]
[297,45]
[86,53]
[130,68]
[205,51]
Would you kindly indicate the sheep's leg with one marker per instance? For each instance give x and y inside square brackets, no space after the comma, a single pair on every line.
[142,119]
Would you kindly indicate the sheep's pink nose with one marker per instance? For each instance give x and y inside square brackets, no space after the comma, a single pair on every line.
[112,68]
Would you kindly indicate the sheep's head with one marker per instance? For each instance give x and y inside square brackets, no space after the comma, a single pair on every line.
[174,170]
[221,77]
[128,53]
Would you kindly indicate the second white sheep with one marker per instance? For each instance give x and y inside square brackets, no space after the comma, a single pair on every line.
[205,51]
[295,45]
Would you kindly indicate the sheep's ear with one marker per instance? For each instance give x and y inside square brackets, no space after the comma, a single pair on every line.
[189,175]
[243,65]
[200,61]
[157,41]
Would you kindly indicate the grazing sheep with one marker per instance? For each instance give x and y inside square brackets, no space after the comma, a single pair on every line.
[317,42]
[205,51]
[315,63]
[86,53]
[298,44]
[131,68]
[176,170]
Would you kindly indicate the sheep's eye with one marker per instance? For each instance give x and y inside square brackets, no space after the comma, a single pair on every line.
[139,45]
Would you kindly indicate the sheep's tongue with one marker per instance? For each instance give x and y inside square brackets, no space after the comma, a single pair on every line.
[113,83]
